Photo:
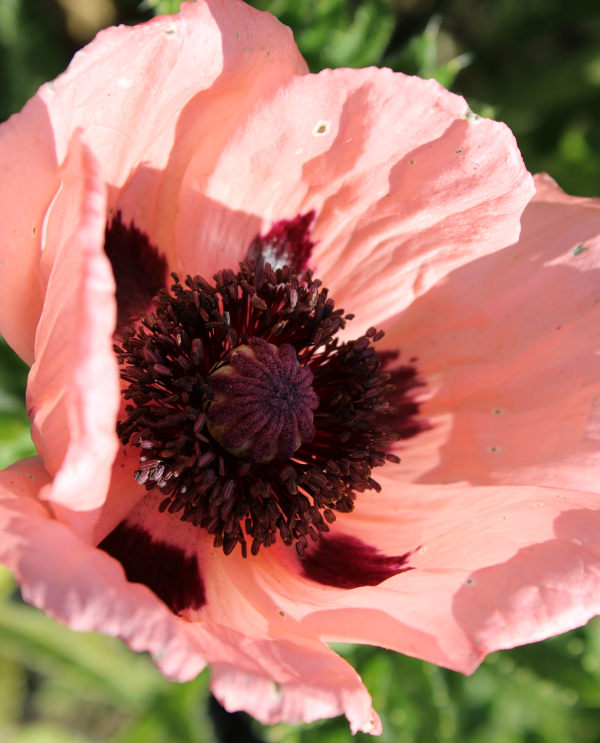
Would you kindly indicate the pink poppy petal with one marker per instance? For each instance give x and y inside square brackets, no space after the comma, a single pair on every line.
[279,677]
[193,78]
[278,673]
[507,348]
[306,681]
[494,567]
[226,53]
[26,192]
[405,182]
[80,585]
[276,670]
[73,389]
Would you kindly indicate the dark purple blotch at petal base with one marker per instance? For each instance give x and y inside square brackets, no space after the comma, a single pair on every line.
[347,562]
[405,380]
[287,242]
[138,267]
[167,571]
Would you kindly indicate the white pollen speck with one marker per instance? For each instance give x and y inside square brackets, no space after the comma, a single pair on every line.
[270,256]
[170,30]
[321,128]
[468,115]
[299,150]
[576,541]
[124,82]
[369,726]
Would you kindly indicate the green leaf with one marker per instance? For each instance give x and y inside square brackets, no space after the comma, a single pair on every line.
[45,733]
[85,659]
[161,7]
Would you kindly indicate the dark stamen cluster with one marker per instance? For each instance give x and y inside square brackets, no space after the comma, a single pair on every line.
[169,358]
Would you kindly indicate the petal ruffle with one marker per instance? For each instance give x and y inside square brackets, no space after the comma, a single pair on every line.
[73,389]
[507,346]
[304,681]
[405,182]
[272,667]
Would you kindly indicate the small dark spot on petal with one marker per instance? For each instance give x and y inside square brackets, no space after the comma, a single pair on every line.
[139,269]
[346,562]
[167,571]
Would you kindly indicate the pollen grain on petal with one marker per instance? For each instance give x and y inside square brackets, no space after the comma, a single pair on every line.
[321,128]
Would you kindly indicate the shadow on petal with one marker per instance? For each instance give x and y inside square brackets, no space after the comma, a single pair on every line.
[507,346]
[545,589]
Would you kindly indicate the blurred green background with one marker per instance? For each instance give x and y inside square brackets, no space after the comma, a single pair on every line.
[535,65]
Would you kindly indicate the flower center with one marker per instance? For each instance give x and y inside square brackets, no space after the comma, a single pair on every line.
[252,419]
[262,402]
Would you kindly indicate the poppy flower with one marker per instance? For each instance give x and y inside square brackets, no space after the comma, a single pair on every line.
[234,470]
